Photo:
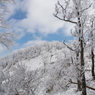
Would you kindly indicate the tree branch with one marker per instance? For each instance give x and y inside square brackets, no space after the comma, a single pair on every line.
[64,19]
[80,84]
[68,46]
[64,10]
[86,8]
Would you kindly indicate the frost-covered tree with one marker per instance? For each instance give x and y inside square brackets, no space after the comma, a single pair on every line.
[3,11]
[76,12]
[19,81]
[6,38]
[91,38]
[75,61]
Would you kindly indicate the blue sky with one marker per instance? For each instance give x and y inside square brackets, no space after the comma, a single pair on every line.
[34,23]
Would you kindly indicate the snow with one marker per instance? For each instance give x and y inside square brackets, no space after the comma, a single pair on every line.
[34,63]
[72,91]
[49,68]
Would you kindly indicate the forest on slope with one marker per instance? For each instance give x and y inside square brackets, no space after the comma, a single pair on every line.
[43,69]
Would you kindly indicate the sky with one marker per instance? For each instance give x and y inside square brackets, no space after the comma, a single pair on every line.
[34,23]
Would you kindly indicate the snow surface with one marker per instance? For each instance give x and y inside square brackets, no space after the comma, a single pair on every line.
[33,64]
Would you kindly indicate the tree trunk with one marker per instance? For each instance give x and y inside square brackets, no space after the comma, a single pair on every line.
[78,85]
[92,54]
[92,57]
[78,73]
[83,82]
[81,45]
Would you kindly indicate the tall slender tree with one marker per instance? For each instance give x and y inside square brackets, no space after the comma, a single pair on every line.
[75,12]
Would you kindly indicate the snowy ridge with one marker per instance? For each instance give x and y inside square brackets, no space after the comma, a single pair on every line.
[30,53]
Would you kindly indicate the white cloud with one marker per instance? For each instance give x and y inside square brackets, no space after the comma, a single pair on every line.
[39,16]
[14,26]
[67,28]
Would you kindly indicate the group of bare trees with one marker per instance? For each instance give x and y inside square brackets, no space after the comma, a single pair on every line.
[78,12]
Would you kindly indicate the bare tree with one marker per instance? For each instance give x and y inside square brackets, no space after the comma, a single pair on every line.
[6,38]
[75,12]
[3,11]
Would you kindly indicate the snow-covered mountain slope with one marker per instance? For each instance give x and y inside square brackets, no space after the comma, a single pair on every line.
[34,55]
[43,69]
